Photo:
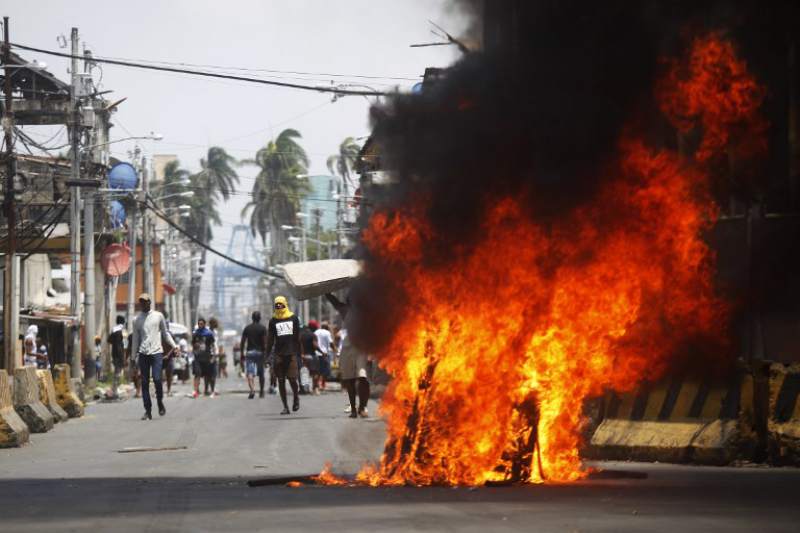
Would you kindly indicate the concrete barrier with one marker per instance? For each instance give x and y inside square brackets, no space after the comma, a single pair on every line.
[65,393]
[27,403]
[78,389]
[13,430]
[783,439]
[47,395]
[678,421]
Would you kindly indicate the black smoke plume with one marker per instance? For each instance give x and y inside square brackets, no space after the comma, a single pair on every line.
[536,114]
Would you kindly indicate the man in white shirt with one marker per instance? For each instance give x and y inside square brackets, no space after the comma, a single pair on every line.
[149,335]
[327,350]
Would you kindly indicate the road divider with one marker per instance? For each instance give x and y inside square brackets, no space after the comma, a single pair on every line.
[65,392]
[13,430]
[680,421]
[27,403]
[783,439]
[47,395]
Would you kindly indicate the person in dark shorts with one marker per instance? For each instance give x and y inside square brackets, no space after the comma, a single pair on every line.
[204,346]
[283,336]
[218,354]
[311,352]
[253,345]
[353,366]
[168,365]
[117,342]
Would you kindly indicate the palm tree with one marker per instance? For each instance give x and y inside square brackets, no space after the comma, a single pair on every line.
[204,213]
[278,188]
[218,173]
[176,180]
[342,164]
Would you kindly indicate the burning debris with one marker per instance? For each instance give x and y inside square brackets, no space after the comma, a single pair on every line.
[544,242]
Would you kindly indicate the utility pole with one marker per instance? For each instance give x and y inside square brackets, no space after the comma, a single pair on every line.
[75,212]
[10,274]
[146,259]
[338,218]
[317,229]
[89,311]
[89,327]
[132,269]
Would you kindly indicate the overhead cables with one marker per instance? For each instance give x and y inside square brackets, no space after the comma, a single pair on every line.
[206,74]
[184,232]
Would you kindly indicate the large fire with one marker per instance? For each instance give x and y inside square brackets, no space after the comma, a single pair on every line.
[508,339]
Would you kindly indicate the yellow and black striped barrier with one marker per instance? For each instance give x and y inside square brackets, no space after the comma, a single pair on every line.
[784,414]
[679,420]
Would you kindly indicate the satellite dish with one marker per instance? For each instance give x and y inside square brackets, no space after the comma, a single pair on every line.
[122,176]
[117,214]
[116,259]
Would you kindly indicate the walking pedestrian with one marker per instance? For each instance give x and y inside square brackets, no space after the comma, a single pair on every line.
[353,366]
[169,369]
[169,359]
[117,341]
[327,350]
[149,335]
[98,357]
[311,354]
[203,346]
[283,336]
[213,325]
[253,345]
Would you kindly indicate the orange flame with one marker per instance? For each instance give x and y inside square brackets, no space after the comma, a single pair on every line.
[513,335]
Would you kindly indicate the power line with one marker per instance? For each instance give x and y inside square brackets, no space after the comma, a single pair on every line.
[246,69]
[200,243]
[332,90]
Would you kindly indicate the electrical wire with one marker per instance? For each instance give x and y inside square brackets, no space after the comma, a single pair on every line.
[52,228]
[246,69]
[165,218]
[132,64]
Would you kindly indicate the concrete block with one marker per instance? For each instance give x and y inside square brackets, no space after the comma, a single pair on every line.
[27,403]
[65,393]
[47,395]
[714,442]
[78,389]
[13,430]
[784,414]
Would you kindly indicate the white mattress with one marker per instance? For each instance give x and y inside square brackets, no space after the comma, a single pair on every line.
[310,279]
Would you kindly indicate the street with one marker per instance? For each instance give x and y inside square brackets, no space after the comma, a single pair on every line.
[75,478]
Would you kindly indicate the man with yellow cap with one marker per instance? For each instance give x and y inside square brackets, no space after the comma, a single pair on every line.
[283,335]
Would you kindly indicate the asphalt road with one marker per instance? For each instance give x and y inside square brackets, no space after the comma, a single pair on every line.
[75,479]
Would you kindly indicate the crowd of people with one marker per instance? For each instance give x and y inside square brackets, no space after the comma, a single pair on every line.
[284,349]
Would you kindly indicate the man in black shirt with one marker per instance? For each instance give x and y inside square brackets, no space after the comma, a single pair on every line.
[253,345]
[117,342]
[204,347]
[283,335]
